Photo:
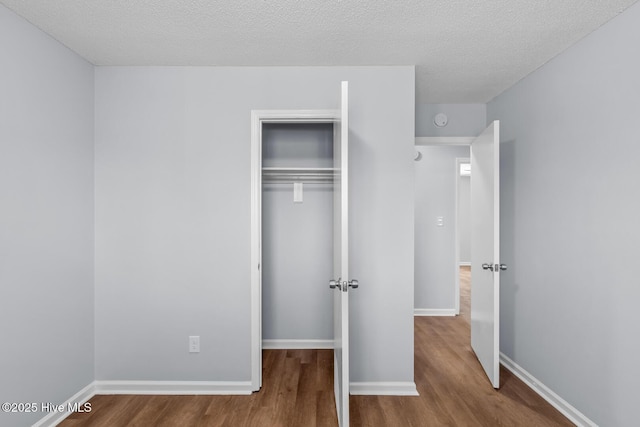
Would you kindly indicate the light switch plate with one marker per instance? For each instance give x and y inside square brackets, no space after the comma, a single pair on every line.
[297,192]
[194,344]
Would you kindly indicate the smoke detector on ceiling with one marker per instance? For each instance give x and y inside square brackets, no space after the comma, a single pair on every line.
[440,120]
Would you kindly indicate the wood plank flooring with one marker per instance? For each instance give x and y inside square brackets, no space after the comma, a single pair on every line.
[298,391]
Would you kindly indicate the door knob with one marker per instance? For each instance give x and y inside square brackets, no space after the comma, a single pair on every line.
[353,284]
[335,284]
[494,267]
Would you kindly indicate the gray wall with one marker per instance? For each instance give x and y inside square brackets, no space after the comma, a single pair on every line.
[570,233]
[464,218]
[46,219]
[297,238]
[173,215]
[435,246]
[464,119]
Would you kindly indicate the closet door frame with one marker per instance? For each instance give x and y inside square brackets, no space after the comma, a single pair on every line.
[258,118]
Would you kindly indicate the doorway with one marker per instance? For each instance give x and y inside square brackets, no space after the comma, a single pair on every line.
[462,232]
[484,157]
[285,163]
[436,239]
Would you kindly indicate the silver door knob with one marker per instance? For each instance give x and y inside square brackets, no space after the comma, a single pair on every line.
[353,284]
[487,267]
[335,284]
[503,267]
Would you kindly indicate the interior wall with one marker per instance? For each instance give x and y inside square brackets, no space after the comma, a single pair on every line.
[435,196]
[569,144]
[297,238]
[173,215]
[46,219]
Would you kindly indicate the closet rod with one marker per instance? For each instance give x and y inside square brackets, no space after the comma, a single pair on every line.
[297,170]
[309,175]
[289,175]
[292,180]
[289,180]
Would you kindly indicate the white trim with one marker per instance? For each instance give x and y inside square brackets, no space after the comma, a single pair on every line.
[575,416]
[296,116]
[464,264]
[145,387]
[443,140]
[55,418]
[174,387]
[434,312]
[384,389]
[495,126]
[256,253]
[296,344]
[258,117]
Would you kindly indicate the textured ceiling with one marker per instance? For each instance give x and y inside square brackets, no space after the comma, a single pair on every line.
[465,51]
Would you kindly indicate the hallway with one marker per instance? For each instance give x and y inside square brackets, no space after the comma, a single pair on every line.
[454,390]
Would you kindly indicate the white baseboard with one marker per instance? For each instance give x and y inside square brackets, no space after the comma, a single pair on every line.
[384,389]
[575,416]
[143,387]
[464,264]
[434,312]
[203,388]
[77,400]
[296,344]
[173,387]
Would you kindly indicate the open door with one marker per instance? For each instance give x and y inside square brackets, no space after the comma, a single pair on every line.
[485,250]
[341,283]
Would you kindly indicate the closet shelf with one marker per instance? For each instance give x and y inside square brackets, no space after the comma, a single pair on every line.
[289,175]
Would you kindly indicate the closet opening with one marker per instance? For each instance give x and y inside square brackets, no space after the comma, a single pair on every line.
[297,235]
[292,232]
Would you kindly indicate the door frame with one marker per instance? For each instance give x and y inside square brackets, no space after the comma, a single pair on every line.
[258,118]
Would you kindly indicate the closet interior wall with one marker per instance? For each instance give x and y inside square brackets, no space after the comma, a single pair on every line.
[297,247]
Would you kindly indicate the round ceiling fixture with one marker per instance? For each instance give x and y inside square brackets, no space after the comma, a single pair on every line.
[440,120]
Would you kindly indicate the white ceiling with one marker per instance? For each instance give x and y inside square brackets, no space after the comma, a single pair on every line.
[465,51]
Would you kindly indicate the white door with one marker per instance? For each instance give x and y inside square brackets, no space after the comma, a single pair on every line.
[340,284]
[485,250]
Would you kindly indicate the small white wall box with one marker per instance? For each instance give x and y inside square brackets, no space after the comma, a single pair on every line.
[297,192]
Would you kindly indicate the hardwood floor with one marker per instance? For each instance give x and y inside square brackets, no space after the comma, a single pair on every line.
[298,391]
[465,294]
